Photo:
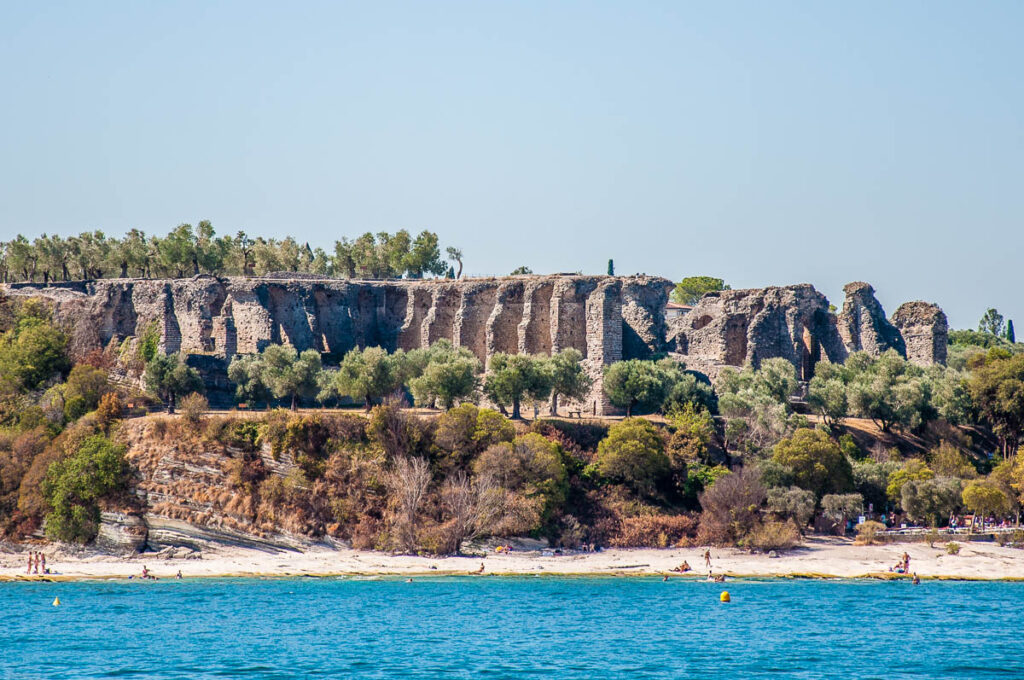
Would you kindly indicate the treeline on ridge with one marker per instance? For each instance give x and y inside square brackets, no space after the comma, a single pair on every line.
[187,251]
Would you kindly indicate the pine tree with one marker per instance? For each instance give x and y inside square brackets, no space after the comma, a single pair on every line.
[611,267]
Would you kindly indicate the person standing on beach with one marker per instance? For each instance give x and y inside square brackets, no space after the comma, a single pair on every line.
[37,563]
[707,558]
[29,570]
[42,559]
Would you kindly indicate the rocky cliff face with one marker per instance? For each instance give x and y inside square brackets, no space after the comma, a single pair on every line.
[605,318]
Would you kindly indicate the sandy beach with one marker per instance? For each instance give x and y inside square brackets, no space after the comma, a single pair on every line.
[817,558]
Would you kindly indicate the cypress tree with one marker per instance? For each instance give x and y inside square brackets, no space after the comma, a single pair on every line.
[1009,331]
[611,267]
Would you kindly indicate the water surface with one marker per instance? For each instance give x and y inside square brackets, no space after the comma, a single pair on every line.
[510,627]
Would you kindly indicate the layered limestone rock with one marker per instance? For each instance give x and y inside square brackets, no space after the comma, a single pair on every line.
[121,533]
[210,319]
[925,332]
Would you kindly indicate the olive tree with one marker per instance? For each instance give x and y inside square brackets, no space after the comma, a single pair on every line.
[511,377]
[169,378]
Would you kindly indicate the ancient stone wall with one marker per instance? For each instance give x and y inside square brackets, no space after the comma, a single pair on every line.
[739,327]
[605,318]
[925,332]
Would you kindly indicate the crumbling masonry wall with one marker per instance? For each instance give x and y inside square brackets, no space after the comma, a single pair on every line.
[740,327]
[211,319]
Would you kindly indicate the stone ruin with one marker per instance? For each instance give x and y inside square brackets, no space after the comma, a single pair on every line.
[210,320]
[739,327]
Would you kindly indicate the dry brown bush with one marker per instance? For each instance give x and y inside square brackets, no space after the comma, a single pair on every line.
[868,533]
[192,407]
[731,508]
[655,531]
[773,536]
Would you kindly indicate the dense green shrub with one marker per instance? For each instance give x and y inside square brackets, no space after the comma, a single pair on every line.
[74,486]
[633,454]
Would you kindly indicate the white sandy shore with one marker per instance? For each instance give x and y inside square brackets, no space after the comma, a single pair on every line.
[818,557]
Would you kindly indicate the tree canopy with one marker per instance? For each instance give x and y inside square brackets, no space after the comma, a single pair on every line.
[188,250]
[691,289]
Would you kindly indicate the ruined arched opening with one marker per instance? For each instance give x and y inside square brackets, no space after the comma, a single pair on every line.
[736,341]
[810,353]
[701,322]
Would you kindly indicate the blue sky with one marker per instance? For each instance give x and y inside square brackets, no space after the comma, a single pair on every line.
[766,143]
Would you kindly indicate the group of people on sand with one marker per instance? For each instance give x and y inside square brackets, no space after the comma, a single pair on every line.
[685,568]
[903,566]
[147,575]
[37,563]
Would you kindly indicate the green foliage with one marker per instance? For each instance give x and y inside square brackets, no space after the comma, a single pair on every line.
[827,394]
[246,372]
[531,469]
[691,289]
[33,350]
[849,448]
[568,379]
[817,463]
[444,373]
[465,431]
[611,267]
[285,372]
[871,479]
[997,389]
[794,503]
[991,323]
[188,250]
[635,383]
[365,375]
[513,377]
[692,432]
[148,343]
[1009,334]
[522,270]
[687,390]
[841,507]
[912,470]
[984,498]
[930,499]
[168,377]
[969,338]
[633,454]
[82,392]
[756,403]
[947,460]
[888,389]
[74,486]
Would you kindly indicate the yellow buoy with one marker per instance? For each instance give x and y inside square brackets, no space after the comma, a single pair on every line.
[724,597]
[56,602]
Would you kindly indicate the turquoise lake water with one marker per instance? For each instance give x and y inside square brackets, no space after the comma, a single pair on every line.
[505,627]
